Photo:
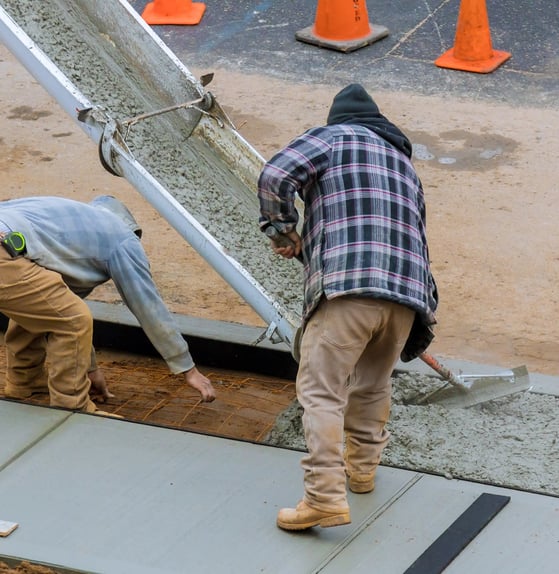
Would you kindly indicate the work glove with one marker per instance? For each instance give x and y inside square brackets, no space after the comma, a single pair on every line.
[420,337]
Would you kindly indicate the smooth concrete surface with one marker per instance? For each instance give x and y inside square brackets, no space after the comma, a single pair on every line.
[522,538]
[21,426]
[107,496]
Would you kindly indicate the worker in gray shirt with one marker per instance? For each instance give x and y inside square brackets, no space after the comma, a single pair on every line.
[55,252]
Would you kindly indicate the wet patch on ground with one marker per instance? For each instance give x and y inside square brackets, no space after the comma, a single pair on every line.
[27,113]
[463,150]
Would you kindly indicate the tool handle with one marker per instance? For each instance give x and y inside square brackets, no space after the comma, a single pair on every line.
[445,373]
[280,239]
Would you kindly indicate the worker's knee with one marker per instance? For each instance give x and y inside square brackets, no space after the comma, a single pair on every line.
[83,319]
[74,319]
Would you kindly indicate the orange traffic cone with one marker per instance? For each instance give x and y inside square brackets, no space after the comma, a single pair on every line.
[182,12]
[472,50]
[341,25]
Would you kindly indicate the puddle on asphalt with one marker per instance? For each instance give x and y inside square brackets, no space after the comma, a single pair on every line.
[462,150]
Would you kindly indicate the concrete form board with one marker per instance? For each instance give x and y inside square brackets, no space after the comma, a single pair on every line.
[190,326]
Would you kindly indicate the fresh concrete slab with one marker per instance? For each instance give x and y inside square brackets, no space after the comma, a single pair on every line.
[106,496]
[522,538]
[22,426]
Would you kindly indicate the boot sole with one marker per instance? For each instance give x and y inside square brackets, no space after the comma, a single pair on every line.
[326,522]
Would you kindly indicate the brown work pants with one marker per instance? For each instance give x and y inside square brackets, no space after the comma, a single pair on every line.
[47,322]
[348,351]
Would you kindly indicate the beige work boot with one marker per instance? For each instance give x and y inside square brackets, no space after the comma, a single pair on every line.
[361,483]
[304,516]
[21,392]
[358,482]
[17,393]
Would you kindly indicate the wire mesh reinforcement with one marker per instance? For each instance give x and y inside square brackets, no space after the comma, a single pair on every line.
[246,407]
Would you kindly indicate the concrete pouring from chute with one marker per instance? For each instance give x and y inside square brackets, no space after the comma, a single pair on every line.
[157,126]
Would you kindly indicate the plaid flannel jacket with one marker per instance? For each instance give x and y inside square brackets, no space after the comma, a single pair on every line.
[364,217]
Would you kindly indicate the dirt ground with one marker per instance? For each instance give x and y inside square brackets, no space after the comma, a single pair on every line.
[26,568]
[489,173]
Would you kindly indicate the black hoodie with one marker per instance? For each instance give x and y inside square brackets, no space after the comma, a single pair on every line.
[353,105]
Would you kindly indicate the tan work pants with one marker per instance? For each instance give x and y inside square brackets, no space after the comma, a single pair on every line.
[348,351]
[46,322]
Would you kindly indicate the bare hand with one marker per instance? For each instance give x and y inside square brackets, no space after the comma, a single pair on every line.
[99,385]
[202,384]
[291,250]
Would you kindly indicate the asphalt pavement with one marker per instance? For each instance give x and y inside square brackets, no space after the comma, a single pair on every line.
[259,37]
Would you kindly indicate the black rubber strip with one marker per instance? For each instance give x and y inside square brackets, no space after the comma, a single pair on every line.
[459,534]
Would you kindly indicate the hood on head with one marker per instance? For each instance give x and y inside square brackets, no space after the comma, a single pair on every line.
[116,207]
[353,105]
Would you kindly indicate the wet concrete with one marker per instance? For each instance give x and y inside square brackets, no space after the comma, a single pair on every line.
[512,441]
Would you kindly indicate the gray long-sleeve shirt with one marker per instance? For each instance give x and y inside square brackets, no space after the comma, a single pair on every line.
[88,246]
